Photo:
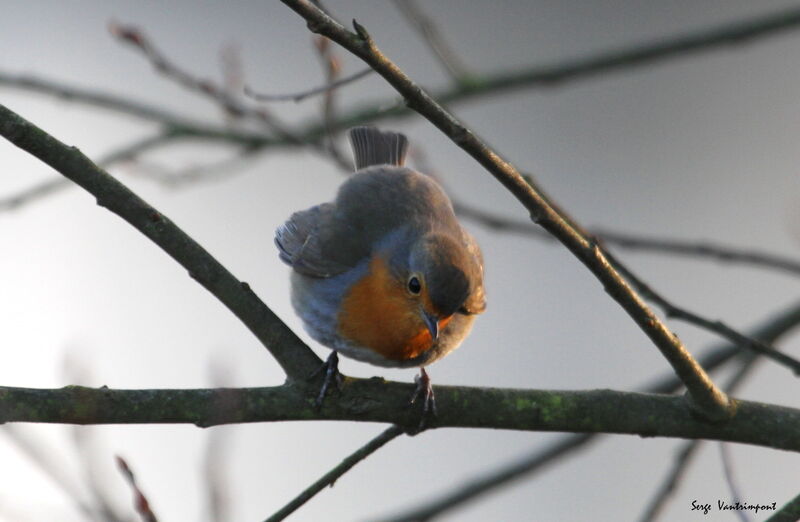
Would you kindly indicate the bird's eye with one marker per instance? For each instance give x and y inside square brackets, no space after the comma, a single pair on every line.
[414,286]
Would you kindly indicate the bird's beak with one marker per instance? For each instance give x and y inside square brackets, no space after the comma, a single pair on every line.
[432,322]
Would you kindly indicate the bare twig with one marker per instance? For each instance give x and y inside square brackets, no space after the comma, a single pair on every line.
[680,467]
[332,66]
[727,467]
[432,36]
[771,331]
[717,327]
[292,354]
[687,248]
[230,103]
[44,459]
[52,186]
[705,249]
[521,467]
[140,502]
[343,467]
[302,95]
[225,168]
[709,400]
[689,449]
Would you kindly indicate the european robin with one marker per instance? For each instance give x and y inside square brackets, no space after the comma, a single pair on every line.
[385,273]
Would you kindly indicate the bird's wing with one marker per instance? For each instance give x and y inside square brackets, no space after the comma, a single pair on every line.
[299,244]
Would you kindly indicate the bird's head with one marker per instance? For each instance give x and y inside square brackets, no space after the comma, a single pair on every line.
[436,274]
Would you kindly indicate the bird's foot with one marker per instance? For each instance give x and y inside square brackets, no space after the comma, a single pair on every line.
[424,390]
[330,368]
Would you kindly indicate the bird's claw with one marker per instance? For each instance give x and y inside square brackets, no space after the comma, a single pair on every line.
[331,375]
[424,389]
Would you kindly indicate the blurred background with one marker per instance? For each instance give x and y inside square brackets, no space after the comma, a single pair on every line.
[702,147]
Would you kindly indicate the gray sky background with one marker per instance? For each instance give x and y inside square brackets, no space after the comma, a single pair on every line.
[697,148]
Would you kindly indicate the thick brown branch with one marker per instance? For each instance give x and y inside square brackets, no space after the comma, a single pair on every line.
[709,399]
[290,352]
[375,400]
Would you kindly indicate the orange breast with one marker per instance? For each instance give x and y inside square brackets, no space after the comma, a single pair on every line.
[377,313]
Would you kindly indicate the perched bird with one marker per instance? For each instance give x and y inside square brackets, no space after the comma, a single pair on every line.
[384,274]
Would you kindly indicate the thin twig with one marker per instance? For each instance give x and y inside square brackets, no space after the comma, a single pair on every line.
[709,400]
[687,248]
[221,96]
[225,168]
[680,467]
[332,66]
[343,467]
[140,502]
[47,462]
[727,472]
[770,331]
[231,104]
[302,95]
[292,354]
[55,185]
[718,327]
[705,249]
[432,36]
[521,467]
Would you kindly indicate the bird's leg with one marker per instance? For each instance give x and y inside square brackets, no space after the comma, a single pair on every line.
[332,375]
[424,389]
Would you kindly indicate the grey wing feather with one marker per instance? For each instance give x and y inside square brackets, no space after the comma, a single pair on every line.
[299,244]
[373,147]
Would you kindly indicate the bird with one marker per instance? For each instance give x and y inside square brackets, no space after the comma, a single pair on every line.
[385,273]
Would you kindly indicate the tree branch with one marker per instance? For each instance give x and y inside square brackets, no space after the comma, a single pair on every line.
[297,359]
[376,400]
[708,399]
